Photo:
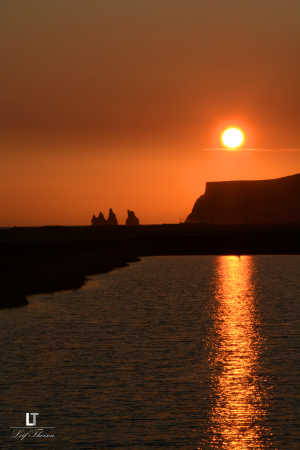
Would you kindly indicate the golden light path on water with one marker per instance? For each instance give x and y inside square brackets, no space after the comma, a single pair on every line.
[239,409]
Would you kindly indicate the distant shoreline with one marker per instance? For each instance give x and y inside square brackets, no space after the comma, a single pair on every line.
[48,259]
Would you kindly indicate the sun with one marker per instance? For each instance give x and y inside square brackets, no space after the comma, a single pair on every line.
[233,138]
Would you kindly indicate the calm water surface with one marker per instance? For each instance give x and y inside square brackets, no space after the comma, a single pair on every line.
[191,352]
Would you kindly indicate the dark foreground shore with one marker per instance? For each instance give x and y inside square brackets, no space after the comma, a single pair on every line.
[46,259]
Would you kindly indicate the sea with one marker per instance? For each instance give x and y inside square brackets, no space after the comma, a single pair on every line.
[188,352]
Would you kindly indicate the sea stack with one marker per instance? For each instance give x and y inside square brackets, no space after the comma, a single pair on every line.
[132,220]
[273,201]
[112,218]
[100,220]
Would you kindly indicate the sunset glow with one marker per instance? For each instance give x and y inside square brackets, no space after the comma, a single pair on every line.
[232,138]
[134,110]
[239,402]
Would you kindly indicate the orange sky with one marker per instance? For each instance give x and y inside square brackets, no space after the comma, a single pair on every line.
[53,188]
[114,104]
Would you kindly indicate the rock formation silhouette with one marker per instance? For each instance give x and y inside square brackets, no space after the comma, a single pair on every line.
[112,218]
[249,202]
[100,220]
[132,220]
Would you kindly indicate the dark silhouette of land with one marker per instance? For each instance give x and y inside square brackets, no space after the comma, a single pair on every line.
[101,221]
[234,217]
[132,220]
[249,202]
[112,218]
[37,260]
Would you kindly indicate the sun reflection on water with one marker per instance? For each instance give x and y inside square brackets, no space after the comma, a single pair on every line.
[236,418]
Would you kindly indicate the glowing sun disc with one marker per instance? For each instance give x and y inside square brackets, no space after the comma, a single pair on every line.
[233,138]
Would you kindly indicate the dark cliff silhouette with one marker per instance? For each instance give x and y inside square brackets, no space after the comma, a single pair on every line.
[249,202]
[132,220]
